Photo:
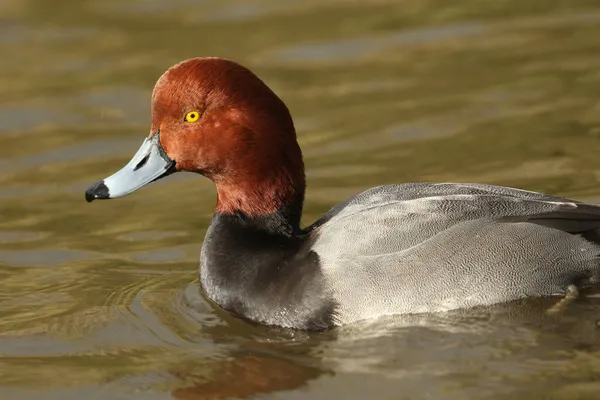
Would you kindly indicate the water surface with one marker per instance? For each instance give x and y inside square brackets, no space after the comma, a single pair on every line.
[101,301]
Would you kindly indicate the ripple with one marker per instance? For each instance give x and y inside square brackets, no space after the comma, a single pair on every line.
[14,33]
[342,171]
[25,192]
[350,49]
[30,117]
[144,236]
[43,257]
[19,237]
[147,7]
[91,392]
[109,104]
[119,101]
[163,255]
[193,305]
[39,345]
[83,151]
[237,12]
[445,124]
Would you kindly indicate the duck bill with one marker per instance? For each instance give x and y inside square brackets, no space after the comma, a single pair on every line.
[150,163]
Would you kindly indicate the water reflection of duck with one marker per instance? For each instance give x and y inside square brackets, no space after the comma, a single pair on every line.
[397,249]
[245,376]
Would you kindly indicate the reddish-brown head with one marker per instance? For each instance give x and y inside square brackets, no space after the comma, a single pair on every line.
[243,139]
[217,118]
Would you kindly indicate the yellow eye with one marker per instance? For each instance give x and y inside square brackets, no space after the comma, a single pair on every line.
[192,116]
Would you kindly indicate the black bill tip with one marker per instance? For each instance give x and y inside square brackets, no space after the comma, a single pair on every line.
[96,191]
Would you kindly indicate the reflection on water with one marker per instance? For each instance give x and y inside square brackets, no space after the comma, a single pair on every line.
[101,301]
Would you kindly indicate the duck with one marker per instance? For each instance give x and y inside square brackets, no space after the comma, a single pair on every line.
[406,248]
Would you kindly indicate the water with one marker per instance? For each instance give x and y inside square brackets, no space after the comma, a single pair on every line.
[100,301]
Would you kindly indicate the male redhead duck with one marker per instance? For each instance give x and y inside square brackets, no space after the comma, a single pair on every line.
[396,249]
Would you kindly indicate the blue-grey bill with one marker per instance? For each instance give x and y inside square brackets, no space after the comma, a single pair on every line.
[147,165]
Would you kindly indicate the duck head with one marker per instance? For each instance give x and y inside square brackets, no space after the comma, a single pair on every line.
[216,118]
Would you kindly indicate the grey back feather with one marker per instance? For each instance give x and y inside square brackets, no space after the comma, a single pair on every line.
[424,247]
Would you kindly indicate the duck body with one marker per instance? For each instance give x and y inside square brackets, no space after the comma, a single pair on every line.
[397,249]
[403,249]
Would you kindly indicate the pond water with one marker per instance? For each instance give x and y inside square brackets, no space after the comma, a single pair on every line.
[100,301]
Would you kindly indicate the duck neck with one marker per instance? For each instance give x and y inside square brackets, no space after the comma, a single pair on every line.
[271,202]
[284,221]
